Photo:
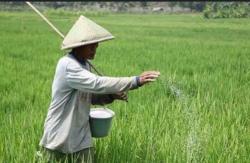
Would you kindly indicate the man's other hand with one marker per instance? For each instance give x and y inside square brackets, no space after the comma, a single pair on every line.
[120,96]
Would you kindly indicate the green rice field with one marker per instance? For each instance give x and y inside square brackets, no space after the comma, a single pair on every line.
[198,110]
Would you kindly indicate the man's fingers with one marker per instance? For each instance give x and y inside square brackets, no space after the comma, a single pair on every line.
[124,96]
[151,76]
[121,96]
[149,80]
[150,72]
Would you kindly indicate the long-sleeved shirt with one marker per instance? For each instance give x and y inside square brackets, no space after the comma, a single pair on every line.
[66,127]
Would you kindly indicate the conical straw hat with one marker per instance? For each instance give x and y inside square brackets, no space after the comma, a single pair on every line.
[84,32]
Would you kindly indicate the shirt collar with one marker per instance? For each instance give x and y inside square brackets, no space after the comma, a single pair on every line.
[82,62]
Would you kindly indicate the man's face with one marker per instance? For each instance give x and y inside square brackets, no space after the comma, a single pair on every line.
[87,51]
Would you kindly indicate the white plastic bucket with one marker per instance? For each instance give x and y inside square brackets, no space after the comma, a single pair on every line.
[100,121]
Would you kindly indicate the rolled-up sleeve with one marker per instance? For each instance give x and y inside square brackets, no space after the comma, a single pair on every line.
[82,79]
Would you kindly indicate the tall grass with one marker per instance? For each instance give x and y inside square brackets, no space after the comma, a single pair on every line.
[198,110]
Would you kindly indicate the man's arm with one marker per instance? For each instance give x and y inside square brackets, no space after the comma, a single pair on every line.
[81,79]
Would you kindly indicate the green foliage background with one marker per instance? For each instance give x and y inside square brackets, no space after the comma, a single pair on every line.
[227,10]
[198,110]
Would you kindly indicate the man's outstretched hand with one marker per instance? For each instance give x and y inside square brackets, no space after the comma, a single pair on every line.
[144,78]
[148,76]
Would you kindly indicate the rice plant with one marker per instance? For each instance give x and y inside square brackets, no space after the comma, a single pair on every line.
[198,110]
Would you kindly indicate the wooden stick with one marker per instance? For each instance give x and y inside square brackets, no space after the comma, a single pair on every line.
[45,19]
[57,31]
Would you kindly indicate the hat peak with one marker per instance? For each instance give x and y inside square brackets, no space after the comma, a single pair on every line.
[83,32]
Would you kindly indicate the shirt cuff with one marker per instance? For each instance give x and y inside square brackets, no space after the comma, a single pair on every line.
[135,82]
[138,81]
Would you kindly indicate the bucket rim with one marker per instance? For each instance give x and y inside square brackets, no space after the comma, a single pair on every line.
[104,109]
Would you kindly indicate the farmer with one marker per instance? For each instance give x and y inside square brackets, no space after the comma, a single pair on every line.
[67,132]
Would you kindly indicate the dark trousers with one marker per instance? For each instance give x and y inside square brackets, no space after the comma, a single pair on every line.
[82,156]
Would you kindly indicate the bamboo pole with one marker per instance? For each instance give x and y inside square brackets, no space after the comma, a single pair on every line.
[57,31]
[45,19]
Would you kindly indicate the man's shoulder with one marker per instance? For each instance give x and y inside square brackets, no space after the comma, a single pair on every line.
[68,62]
[65,60]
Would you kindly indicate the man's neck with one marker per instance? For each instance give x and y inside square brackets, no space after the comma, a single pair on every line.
[79,59]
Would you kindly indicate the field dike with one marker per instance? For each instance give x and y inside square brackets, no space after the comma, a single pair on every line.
[193,146]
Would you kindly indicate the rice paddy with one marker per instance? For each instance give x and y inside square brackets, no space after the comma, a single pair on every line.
[197,111]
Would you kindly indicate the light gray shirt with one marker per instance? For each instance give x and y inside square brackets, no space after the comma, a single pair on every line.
[66,127]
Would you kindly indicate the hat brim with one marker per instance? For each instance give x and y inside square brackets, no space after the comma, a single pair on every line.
[71,46]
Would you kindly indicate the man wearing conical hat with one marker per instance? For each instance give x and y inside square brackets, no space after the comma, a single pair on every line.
[75,88]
